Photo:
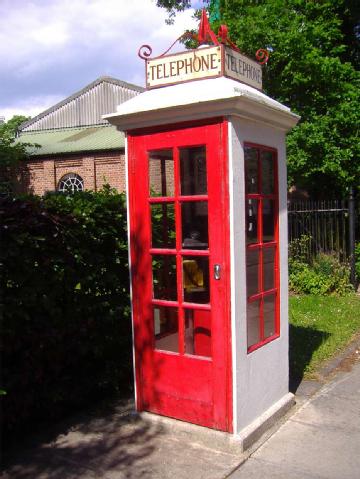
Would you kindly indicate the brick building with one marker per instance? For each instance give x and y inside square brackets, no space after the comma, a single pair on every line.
[77,149]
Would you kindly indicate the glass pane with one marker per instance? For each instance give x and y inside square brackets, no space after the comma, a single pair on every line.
[198,332]
[251,170]
[269,268]
[268,220]
[194,217]
[269,316]
[193,171]
[267,172]
[161,173]
[252,272]
[164,277]
[251,221]
[253,320]
[196,279]
[163,225]
[166,328]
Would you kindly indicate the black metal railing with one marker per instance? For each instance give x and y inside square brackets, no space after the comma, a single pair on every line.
[325,223]
[326,226]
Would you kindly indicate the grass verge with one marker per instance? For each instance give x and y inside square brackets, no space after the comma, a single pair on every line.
[320,326]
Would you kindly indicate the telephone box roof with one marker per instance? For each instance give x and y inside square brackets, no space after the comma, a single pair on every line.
[201,99]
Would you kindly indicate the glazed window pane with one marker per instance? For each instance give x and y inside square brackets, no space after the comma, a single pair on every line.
[251,171]
[163,225]
[164,277]
[166,329]
[161,173]
[193,171]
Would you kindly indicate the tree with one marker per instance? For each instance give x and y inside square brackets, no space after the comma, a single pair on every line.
[11,152]
[313,68]
[11,127]
[173,6]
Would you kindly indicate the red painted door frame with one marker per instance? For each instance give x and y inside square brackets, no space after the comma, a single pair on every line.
[260,246]
[190,388]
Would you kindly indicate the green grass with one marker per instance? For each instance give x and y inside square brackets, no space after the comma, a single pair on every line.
[320,326]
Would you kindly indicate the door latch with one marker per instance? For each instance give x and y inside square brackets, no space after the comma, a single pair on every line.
[217,271]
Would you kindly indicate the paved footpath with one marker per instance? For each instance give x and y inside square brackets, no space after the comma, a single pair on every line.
[320,439]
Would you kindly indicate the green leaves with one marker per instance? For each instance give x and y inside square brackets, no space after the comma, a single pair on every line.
[314,69]
[357,260]
[11,153]
[66,325]
[322,277]
[307,72]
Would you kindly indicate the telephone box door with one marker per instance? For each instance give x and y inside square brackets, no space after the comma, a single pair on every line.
[179,242]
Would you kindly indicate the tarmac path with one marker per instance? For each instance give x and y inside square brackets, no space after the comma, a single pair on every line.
[320,439]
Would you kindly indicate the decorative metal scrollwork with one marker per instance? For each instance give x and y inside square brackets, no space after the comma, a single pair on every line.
[262,56]
[145,51]
[204,36]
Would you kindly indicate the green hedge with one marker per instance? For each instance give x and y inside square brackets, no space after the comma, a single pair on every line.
[66,332]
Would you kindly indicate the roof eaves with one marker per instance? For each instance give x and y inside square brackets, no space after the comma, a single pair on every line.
[33,154]
[67,128]
[115,81]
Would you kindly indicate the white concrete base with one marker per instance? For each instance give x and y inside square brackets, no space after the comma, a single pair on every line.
[222,441]
[192,433]
[252,433]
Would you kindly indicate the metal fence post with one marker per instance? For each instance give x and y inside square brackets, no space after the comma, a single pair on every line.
[351,207]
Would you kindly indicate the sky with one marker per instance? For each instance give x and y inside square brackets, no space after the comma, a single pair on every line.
[49,49]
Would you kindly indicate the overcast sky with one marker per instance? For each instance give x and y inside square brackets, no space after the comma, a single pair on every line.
[49,49]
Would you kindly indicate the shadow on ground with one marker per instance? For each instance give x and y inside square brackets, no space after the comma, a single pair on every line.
[303,342]
[113,445]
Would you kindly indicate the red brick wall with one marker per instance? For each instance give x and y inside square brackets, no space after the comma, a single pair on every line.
[110,170]
[43,174]
[30,179]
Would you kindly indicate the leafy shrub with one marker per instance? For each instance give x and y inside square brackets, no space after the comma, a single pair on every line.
[300,249]
[357,261]
[325,275]
[66,326]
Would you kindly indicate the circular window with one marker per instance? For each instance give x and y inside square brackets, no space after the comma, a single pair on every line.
[71,183]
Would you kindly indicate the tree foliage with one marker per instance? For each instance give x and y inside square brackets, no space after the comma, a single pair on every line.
[314,69]
[172,7]
[11,152]
[11,127]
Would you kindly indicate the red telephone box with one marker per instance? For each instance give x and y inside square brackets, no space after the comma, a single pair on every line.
[206,190]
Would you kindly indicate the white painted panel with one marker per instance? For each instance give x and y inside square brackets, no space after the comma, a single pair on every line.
[127,172]
[261,377]
[237,254]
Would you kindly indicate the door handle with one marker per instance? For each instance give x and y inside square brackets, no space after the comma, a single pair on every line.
[217,271]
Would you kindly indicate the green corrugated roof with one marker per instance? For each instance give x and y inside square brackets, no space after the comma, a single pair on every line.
[73,140]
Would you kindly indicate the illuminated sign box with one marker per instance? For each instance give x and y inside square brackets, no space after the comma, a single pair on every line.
[203,63]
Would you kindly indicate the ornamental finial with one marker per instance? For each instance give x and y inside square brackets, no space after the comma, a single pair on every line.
[205,33]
